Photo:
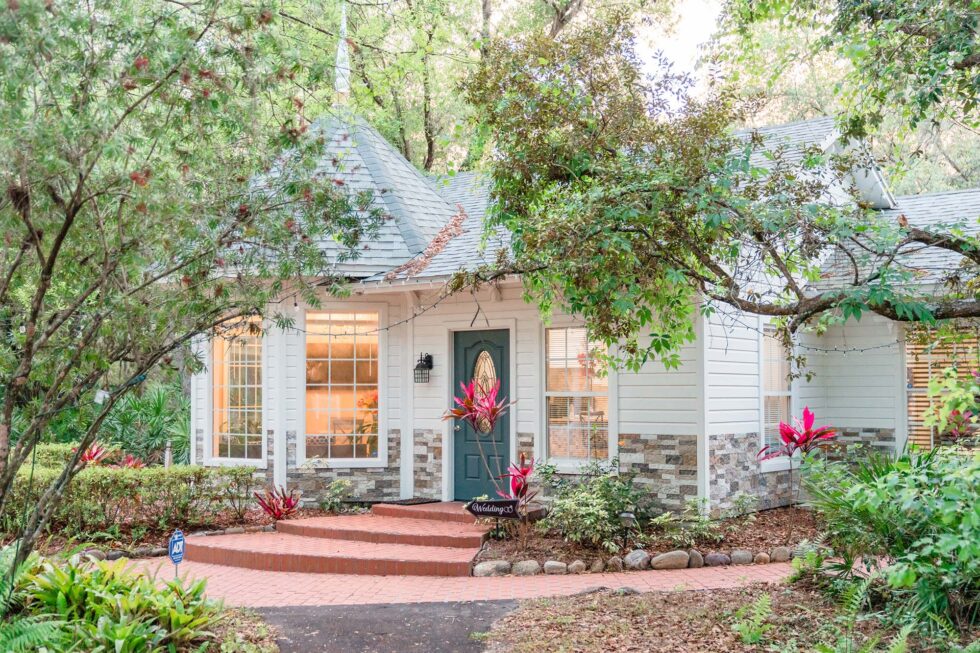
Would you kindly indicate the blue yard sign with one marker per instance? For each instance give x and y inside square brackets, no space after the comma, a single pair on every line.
[175,549]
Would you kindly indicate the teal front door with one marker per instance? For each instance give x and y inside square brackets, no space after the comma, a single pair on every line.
[479,458]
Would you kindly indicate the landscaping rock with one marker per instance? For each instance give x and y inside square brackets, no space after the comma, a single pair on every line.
[717,560]
[576,567]
[234,530]
[526,568]
[671,560]
[614,563]
[696,560]
[256,528]
[491,568]
[780,554]
[761,558]
[625,591]
[598,566]
[197,534]
[94,554]
[742,557]
[637,559]
[142,552]
[115,554]
[555,568]
[269,528]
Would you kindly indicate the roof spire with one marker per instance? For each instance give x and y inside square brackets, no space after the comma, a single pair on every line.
[342,81]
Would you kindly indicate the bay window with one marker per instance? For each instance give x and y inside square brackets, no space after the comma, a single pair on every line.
[342,390]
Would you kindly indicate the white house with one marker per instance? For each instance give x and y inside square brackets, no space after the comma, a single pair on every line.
[337,395]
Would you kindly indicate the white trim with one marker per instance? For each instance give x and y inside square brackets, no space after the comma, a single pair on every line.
[279,473]
[571,465]
[196,408]
[448,430]
[347,463]
[406,480]
[703,446]
[902,407]
[791,393]
[209,459]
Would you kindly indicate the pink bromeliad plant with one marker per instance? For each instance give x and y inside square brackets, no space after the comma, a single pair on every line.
[520,489]
[479,407]
[278,503]
[801,437]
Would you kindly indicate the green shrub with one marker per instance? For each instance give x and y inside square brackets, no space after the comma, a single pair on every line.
[103,606]
[142,423]
[922,513]
[586,510]
[692,527]
[105,502]
[53,454]
[336,492]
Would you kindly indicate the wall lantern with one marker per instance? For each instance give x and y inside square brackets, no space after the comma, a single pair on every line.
[422,368]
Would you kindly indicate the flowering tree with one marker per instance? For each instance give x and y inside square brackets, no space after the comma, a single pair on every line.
[136,205]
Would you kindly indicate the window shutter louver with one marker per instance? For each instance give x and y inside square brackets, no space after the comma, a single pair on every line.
[926,361]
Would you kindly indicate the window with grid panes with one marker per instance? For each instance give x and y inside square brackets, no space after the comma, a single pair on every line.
[237,393]
[576,396]
[342,400]
[776,386]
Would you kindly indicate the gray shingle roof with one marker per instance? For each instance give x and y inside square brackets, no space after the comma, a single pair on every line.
[355,153]
[470,190]
[928,264]
[794,137]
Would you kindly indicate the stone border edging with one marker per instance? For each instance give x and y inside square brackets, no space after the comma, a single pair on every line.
[636,560]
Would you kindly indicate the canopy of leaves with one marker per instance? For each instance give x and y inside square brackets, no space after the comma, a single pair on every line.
[920,57]
[134,202]
[631,200]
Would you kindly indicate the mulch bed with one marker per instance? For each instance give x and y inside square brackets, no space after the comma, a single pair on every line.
[769,528]
[699,621]
[245,631]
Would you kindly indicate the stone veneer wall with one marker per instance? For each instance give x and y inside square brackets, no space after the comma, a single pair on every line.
[733,469]
[367,482]
[665,465]
[881,439]
[427,467]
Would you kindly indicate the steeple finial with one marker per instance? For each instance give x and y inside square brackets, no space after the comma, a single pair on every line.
[342,81]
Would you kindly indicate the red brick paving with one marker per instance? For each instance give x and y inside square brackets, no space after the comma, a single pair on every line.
[250,588]
[372,528]
[296,553]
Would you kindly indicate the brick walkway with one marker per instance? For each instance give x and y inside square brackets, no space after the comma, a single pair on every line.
[251,588]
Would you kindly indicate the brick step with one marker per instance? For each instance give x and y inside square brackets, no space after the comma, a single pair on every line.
[447,511]
[285,552]
[381,530]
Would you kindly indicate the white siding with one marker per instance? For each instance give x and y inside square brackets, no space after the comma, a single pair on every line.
[732,373]
[857,389]
[659,401]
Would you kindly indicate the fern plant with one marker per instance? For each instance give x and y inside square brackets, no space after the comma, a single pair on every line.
[17,632]
[752,627]
[852,601]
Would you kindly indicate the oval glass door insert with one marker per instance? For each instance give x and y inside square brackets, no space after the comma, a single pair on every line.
[484,377]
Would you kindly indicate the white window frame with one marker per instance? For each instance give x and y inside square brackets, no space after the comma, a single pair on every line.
[781,463]
[381,460]
[573,465]
[211,460]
